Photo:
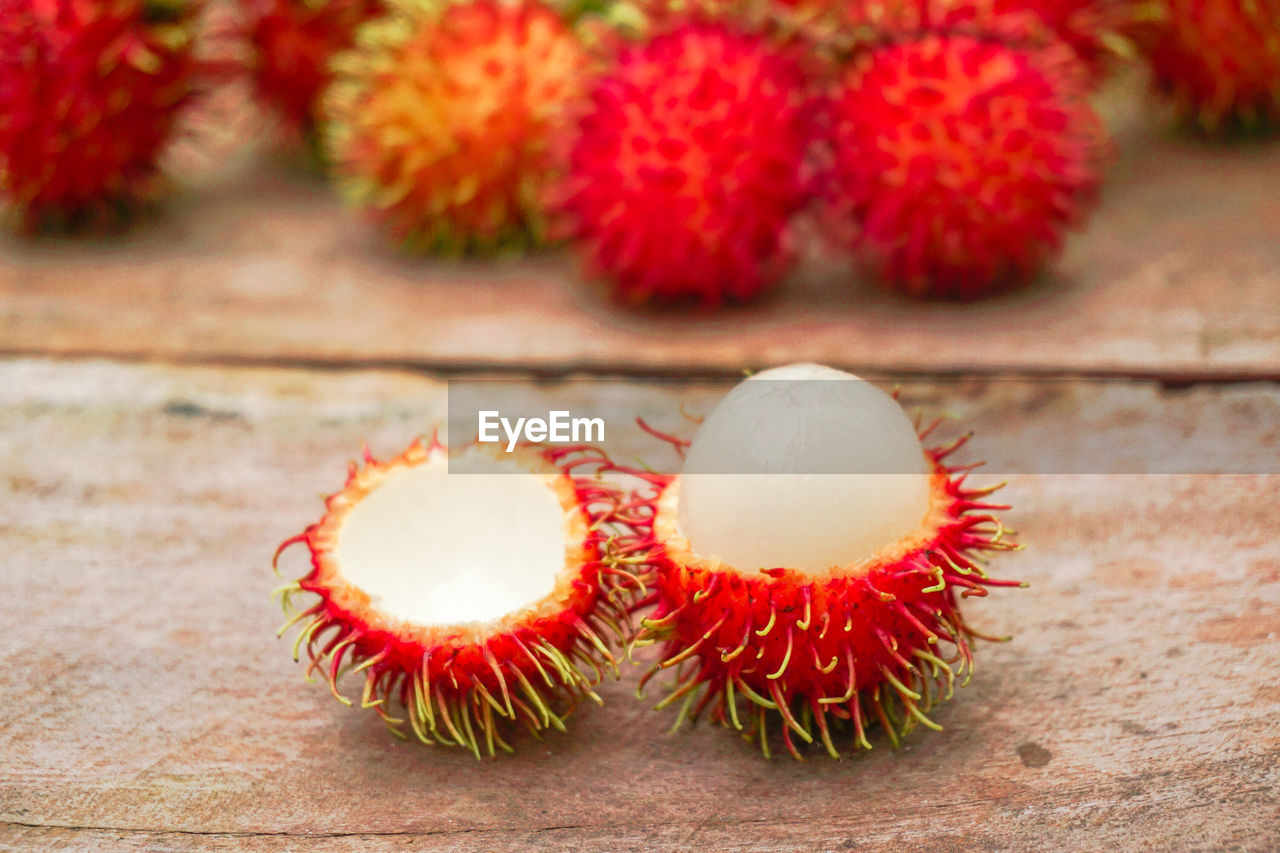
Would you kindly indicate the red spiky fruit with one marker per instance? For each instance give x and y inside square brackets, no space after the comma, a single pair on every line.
[1220,61]
[89,94]
[441,120]
[469,602]
[689,165]
[1089,27]
[291,43]
[959,162]
[873,635]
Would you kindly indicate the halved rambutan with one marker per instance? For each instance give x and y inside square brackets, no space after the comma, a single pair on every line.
[689,164]
[290,44]
[89,96]
[810,596]
[470,601]
[1220,61]
[959,162]
[441,118]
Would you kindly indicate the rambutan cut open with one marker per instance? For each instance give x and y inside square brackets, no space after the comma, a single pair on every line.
[467,602]
[819,600]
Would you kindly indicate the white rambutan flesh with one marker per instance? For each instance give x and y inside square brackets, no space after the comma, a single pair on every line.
[431,547]
[803,467]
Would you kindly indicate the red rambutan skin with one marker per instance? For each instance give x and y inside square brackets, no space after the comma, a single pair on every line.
[688,165]
[1089,27]
[1220,60]
[89,93]
[869,643]
[291,45]
[440,123]
[958,163]
[461,684]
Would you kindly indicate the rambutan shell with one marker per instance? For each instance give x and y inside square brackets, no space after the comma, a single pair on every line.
[878,641]
[467,684]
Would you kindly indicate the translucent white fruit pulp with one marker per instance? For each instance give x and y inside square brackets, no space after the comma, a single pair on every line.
[434,548]
[831,471]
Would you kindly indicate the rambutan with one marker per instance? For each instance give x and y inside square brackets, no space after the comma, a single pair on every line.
[689,164]
[470,601]
[291,43]
[811,559]
[89,95]
[441,119]
[1220,61]
[959,162]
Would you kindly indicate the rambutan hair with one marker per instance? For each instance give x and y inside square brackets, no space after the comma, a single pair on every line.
[688,165]
[959,162]
[89,97]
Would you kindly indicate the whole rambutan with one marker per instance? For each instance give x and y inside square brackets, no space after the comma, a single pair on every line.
[89,94]
[958,162]
[1220,60]
[689,164]
[811,560]
[470,602]
[441,119]
[290,45]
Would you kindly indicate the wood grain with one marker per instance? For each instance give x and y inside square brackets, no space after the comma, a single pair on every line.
[145,704]
[1176,275]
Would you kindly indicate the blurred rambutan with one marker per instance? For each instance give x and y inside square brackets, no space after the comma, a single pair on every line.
[1089,27]
[441,119]
[689,165]
[959,162]
[1220,60]
[89,94]
[291,43]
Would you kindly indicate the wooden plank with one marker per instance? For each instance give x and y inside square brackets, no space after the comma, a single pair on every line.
[144,703]
[1176,276]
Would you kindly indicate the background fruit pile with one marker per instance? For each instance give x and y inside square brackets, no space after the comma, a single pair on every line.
[686,150]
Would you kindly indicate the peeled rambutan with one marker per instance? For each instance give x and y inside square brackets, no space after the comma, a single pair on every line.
[1220,61]
[290,44]
[811,559]
[959,162]
[689,164]
[89,95]
[441,119]
[470,601]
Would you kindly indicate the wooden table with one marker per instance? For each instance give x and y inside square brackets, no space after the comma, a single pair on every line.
[172,405]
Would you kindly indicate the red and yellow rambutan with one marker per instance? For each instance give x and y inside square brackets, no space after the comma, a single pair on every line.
[290,46]
[90,91]
[816,595]
[1220,61]
[959,162]
[467,602]
[440,122]
[689,164]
